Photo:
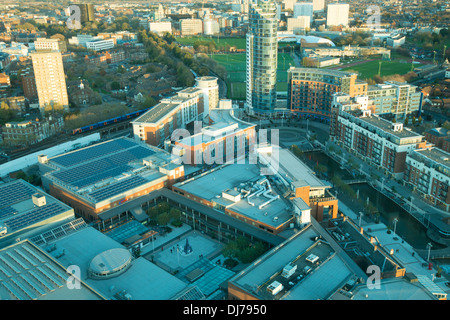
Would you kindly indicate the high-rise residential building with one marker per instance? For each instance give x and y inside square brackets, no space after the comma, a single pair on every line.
[303,9]
[299,24]
[288,4]
[337,14]
[318,5]
[160,27]
[190,27]
[211,27]
[50,44]
[310,90]
[50,79]
[87,12]
[262,51]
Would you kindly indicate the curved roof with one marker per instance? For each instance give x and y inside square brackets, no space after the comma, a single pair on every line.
[308,39]
[110,261]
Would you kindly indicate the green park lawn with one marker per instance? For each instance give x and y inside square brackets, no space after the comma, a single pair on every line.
[235,65]
[369,69]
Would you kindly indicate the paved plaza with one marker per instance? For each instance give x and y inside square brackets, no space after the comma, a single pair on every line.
[171,259]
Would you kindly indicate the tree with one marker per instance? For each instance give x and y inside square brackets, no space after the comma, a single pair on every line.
[148,102]
[446,125]
[163,219]
[115,85]
[6,113]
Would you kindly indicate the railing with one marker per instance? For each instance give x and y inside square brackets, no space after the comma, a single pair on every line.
[321,199]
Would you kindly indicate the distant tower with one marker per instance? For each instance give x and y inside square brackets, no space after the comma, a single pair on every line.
[87,12]
[262,50]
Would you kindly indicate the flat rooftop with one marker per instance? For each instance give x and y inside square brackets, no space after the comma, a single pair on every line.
[383,125]
[434,154]
[19,212]
[163,108]
[27,272]
[209,186]
[215,131]
[157,112]
[316,71]
[292,168]
[143,280]
[108,169]
[324,278]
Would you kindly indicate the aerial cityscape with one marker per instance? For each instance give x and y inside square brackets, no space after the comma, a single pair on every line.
[235,150]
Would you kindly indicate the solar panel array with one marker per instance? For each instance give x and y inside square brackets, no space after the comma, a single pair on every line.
[110,166]
[38,214]
[58,232]
[7,212]
[26,274]
[14,192]
[96,151]
[113,189]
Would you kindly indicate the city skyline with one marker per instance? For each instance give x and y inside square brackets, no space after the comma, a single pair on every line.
[225,157]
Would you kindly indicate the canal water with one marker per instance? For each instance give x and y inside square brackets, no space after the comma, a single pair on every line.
[333,167]
[407,227]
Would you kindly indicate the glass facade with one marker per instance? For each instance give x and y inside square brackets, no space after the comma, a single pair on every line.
[262,49]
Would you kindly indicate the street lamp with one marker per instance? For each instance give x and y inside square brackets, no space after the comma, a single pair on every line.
[429,250]
[395,224]
[360,216]
[410,203]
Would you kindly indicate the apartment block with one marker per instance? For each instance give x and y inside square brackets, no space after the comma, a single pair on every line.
[428,172]
[310,90]
[337,14]
[382,143]
[50,78]
[32,131]
[218,143]
[191,27]
[50,44]
[299,24]
[396,98]
[160,27]
[191,104]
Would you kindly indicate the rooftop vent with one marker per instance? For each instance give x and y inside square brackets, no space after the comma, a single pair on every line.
[397,126]
[39,200]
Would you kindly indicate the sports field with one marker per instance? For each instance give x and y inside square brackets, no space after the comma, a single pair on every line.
[235,65]
[238,42]
[369,69]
